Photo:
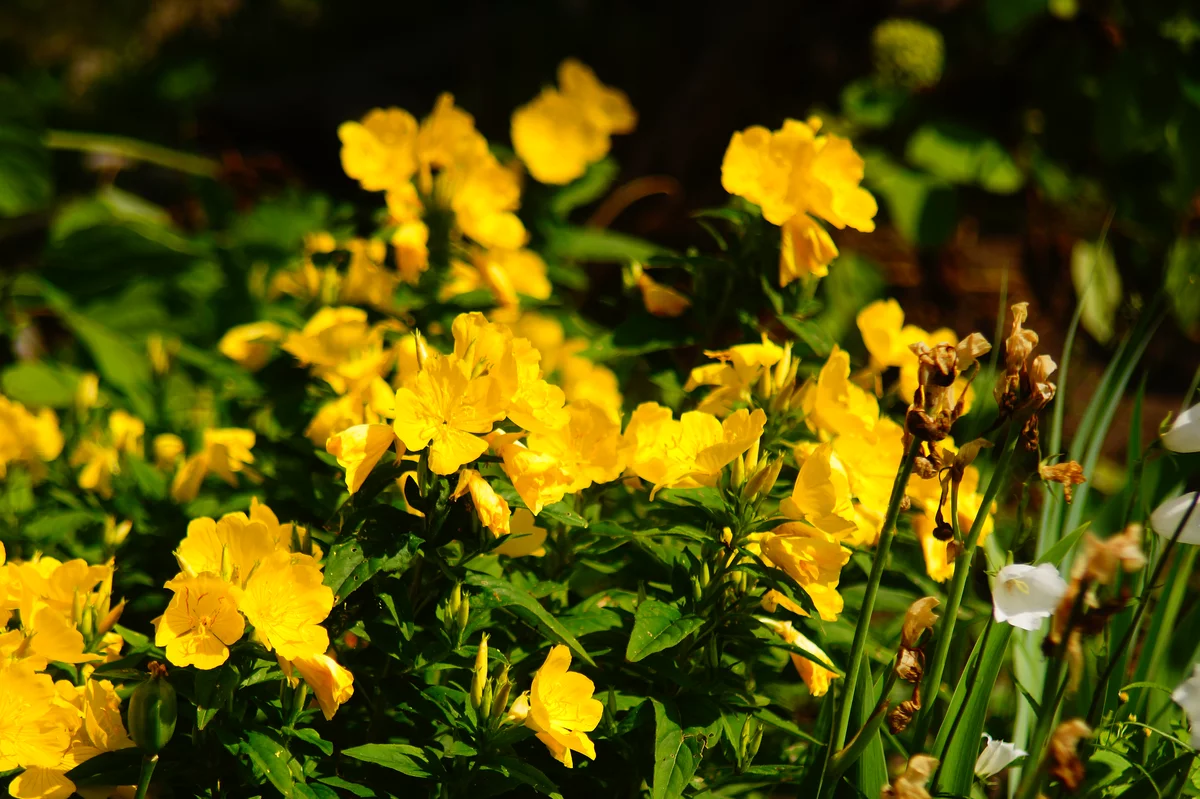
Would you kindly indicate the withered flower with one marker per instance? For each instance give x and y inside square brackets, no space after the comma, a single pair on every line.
[1102,558]
[919,618]
[911,784]
[899,717]
[1025,385]
[935,406]
[1069,473]
[1017,348]
[1064,757]
[910,665]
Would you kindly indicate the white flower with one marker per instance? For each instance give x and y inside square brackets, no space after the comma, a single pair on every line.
[1187,696]
[996,756]
[1168,516]
[1025,594]
[1184,435]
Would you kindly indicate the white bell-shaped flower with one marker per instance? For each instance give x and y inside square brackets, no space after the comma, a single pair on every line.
[1025,594]
[1168,516]
[996,756]
[1184,435]
[1187,696]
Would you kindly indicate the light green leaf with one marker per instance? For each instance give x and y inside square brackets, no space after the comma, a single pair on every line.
[398,757]
[658,626]
[961,155]
[1056,553]
[1183,283]
[588,188]
[1098,286]
[597,244]
[271,758]
[40,384]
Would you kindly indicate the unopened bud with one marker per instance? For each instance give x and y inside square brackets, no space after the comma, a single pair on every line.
[746,738]
[115,534]
[463,616]
[727,537]
[751,458]
[77,607]
[479,677]
[737,473]
[421,349]
[301,540]
[152,711]
[755,743]
[764,383]
[455,599]
[763,480]
[226,563]
[705,574]
[111,618]
[697,589]
[485,703]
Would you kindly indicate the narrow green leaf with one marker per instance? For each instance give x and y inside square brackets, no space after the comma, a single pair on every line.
[658,626]
[675,757]
[349,787]
[1056,553]
[271,758]
[525,774]
[586,189]
[872,766]
[498,593]
[120,767]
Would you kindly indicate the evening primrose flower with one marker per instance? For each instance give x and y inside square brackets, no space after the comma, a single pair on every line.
[358,449]
[126,431]
[286,600]
[835,406]
[688,452]
[379,152]
[733,375]
[1187,696]
[821,495]
[811,558]
[250,346]
[1184,435]
[168,449]
[201,622]
[100,462]
[1024,595]
[507,274]
[231,547]
[560,708]
[816,670]
[1182,510]
[996,756]
[27,438]
[661,300]
[33,728]
[367,281]
[564,130]
[331,684]
[796,175]
[491,507]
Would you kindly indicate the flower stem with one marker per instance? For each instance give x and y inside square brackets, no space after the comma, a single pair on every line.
[886,533]
[148,764]
[962,570]
[122,147]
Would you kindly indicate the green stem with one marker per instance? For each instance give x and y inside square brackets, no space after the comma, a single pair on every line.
[864,737]
[962,569]
[148,764]
[133,149]
[886,534]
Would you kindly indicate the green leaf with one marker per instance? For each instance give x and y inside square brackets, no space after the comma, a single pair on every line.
[311,736]
[40,384]
[597,245]
[658,626]
[812,334]
[971,698]
[922,207]
[349,787]
[25,167]
[353,561]
[588,188]
[271,757]
[872,766]
[1182,284]
[1098,286]
[398,757]
[675,757]
[120,767]
[1056,553]
[525,774]
[871,103]
[960,155]
[214,691]
[777,721]
[498,593]
[58,525]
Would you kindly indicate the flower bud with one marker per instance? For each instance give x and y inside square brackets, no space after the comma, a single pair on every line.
[697,589]
[479,678]
[503,688]
[751,458]
[226,564]
[463,616]
[152,711]
[485,702]
[737,473]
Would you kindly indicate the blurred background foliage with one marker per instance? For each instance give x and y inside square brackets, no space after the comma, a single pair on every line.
[153,155]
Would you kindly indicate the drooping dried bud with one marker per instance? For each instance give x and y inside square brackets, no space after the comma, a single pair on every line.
[919,618]
[971,348]
[1102,558]
[1068,473]
[1020,342]
[910,665]
[899,717]
[966,455]
[924,468]
[911,784]
[1064,756]
[942,529]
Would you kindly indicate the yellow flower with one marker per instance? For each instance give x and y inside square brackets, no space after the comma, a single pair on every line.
[733,375]
[561,708]
[369,402]
[485,195]
[99,462]
[410,239]
[168,448]
[367,281]
[563,131]
[817,670]
[582,379]
[535,405]
[835,406]
[455,398]
[661,300]
[491,507]
[27,438]
[33,729]
[970,501]
[379,152]
[821,495]
[525,538]
[811,558]
[341,348]
[794,174]
[537,476]
[330,683]
[250,345]
[587,449]
[228,451]
[689,452]
[201,622]
[286,601]
[358,449]
[126,431]
[87,392]
[231,547]
[505,273]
